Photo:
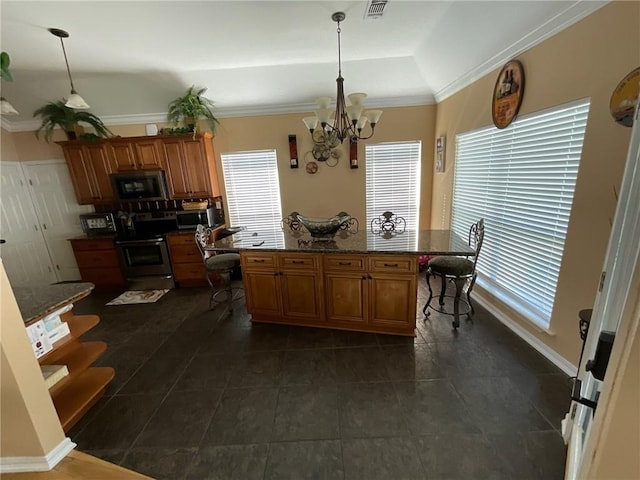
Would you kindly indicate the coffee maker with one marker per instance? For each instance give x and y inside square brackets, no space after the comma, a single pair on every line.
[126,226]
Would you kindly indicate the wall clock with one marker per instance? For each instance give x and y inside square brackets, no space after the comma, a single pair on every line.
[507,94]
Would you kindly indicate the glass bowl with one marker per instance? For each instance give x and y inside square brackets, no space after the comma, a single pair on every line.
[322,228]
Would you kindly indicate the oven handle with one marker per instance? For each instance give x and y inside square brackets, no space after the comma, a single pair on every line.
[131,242]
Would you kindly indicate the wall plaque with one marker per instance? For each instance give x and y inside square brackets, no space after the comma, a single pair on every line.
[507,94]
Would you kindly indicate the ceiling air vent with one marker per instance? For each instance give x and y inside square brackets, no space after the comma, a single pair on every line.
[375,9]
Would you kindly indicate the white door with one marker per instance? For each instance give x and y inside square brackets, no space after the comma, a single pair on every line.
[623,254]
[24,252]
[58,212]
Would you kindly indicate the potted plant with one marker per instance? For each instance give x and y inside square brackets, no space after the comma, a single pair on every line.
[190,108]
[57,114]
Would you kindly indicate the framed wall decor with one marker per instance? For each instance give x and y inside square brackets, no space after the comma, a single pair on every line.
[440,154]
[507,94]
[293,151]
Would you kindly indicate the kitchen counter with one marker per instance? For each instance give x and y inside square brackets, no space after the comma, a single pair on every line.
[35,303]
[424,242]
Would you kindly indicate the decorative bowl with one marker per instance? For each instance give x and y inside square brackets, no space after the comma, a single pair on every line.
[322,228]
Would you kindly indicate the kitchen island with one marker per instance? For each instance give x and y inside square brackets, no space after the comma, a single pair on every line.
[84,385]
[360,281]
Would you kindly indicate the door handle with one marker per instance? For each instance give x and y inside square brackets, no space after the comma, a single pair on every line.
[2,241]
[298,262]
[390,264]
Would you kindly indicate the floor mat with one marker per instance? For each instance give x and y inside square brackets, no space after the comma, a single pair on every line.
[138,296]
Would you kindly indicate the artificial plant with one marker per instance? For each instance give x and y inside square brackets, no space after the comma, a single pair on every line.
[191,107]
[57,114]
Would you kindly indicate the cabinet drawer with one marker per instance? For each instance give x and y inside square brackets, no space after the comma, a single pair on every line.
[296,261]
[184,239]
[188,271]
[258,260]
[185,253]
[344,262]
[102,277]
[97,258]
[97,244]
[391,263]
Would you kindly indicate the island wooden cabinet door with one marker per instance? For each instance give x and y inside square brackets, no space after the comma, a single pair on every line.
[393,300]
[262,292]
[90,167]
[301,295]
[346,296]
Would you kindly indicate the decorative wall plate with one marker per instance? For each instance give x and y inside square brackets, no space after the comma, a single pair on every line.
[624,97]
[312,167]
[507,94]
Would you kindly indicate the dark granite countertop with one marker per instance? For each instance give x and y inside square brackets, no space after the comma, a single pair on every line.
[424,242]
[38,301]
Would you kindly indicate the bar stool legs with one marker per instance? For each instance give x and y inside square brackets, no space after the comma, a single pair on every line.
[459,283]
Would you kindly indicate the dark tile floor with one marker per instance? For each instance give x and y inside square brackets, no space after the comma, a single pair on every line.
[200,396]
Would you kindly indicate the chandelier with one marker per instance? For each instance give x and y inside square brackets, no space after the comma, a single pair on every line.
[350,117]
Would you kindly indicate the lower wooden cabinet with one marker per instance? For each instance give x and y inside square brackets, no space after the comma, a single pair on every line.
[186,260]
[369,293]
[283,286]
[98,262]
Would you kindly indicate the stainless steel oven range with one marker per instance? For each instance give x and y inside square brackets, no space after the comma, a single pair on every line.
[144,255]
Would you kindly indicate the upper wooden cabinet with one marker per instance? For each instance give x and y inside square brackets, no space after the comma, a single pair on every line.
[141,154]
[188,162]
[90,167]
[190,166]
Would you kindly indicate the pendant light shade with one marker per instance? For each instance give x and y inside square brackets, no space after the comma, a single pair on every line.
[6,108]
[75,100]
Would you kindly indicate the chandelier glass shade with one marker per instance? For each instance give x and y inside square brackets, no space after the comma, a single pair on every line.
[75,100]
[349,118]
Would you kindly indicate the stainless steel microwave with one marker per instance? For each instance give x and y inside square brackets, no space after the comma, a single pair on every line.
[190,219]
[136,186]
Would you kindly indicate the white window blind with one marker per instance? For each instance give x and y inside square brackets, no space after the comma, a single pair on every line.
[393,183]
[521,180]
[253,190]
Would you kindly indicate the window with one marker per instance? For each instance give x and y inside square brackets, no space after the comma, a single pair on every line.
[521,180]
[253,190]
[393,184]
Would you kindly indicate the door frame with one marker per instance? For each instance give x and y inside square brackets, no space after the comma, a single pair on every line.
[615,309]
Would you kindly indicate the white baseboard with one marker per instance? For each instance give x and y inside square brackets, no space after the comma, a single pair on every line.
[559,361]
[37,464]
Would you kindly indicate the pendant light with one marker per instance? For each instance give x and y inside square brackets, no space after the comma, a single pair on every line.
[74,100]
[6,108]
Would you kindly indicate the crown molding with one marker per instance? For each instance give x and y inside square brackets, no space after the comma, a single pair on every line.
[246,111]
[568,17]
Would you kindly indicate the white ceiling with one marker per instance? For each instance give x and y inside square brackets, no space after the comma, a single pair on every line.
[130,59]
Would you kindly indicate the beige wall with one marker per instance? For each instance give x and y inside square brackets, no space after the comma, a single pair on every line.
[587,59]
[8,151]
[28,420]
